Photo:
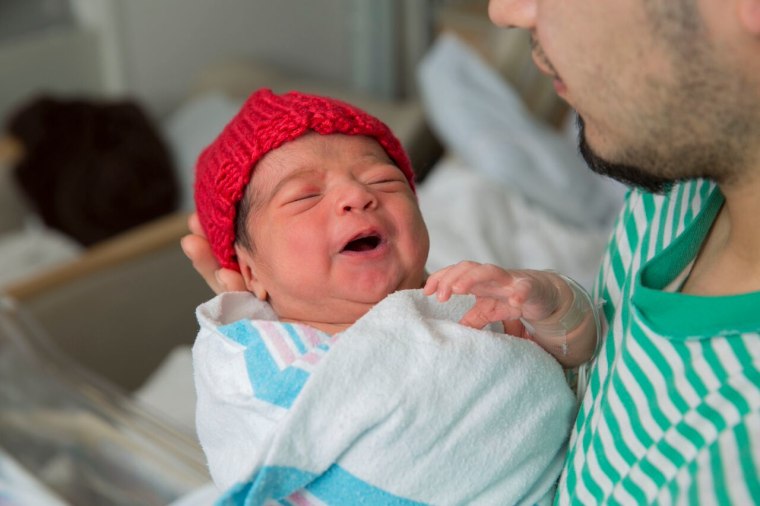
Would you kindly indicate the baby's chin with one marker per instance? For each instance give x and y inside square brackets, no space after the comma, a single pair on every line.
[344,309]
[359,306]
[330,320]
[374,292]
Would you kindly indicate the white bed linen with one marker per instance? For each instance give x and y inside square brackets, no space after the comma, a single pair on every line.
[480,118]
[471,217]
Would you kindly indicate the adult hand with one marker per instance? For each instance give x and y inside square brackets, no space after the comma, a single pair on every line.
[198,250]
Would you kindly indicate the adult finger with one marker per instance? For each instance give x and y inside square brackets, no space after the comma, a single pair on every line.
[231,281]
[196,248]
[194,224]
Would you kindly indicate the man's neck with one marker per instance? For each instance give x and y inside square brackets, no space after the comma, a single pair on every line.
[729,260]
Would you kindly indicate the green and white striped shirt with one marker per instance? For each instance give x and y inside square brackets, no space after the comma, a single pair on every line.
[672,410]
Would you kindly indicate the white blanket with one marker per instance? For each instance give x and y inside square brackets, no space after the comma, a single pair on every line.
[404,407]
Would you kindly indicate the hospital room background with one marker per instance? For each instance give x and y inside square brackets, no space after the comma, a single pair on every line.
[96,388]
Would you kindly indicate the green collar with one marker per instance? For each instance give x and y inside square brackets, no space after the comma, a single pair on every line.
[683,316]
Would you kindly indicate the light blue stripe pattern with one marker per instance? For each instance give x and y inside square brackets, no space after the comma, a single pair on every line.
[270,383]
[269,483]
[335,487]
[338,486]
[295,337]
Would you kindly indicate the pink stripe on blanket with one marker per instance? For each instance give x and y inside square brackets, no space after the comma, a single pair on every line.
[312,358]
[299,500]
[274,334]
[313,336]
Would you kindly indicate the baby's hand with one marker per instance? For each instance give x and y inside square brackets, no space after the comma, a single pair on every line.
[539,305]
[500,295]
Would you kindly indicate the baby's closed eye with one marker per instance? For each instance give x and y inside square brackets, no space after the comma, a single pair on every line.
[388,177]
[302,197]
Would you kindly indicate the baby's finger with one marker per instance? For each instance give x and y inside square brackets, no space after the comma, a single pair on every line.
[514,328]
[440,282]
[432,281]
[476,318]
[486,311]
[485,280]
[430,286]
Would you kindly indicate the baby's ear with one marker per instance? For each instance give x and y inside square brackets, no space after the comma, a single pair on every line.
[248,271]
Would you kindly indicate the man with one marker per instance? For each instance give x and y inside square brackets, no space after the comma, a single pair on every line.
[668,98]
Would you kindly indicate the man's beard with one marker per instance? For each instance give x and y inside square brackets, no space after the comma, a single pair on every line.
[630,175]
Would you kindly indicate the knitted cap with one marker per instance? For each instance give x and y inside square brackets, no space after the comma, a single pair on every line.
[265,122]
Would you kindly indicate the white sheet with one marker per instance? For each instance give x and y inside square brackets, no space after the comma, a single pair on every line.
[32,250]
[481,119]
[470,217]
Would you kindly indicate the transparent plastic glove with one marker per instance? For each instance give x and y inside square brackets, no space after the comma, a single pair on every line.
[197,249]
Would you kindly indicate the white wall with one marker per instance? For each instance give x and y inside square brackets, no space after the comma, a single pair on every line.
[56,60]
[154,50]
[164,44]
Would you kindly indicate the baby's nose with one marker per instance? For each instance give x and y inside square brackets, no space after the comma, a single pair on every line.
[355,197]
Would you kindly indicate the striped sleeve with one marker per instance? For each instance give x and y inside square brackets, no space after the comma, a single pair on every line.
[726,472]
[672,411]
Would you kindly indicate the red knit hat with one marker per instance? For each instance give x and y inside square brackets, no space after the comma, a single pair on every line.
[265,122]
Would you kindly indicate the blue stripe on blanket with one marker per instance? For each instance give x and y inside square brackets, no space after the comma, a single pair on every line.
[295,337]
[270,383]
[338,486]
[269,483]
[335,487]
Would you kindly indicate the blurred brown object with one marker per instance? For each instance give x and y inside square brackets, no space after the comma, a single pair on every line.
[12,208]
[11,150]
[91,169]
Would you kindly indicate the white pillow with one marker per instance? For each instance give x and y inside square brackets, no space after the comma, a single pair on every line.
[470,218]
[31,250]
[478,116]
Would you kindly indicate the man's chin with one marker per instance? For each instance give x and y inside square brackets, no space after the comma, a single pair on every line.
[630,175]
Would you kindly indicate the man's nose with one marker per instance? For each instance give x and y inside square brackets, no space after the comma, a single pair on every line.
[513,13]
[355,197]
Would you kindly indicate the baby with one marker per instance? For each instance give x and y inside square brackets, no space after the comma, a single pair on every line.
[335,378]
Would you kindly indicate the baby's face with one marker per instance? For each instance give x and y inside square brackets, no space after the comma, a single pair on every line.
[335,227]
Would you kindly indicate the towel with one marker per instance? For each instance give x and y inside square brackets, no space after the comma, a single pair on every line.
[404,407]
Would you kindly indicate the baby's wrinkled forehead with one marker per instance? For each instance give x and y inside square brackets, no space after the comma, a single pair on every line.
[305,158]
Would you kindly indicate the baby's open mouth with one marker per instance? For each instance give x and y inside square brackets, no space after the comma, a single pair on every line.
[363,243]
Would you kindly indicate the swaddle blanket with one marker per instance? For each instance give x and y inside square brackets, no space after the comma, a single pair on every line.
[404,407]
